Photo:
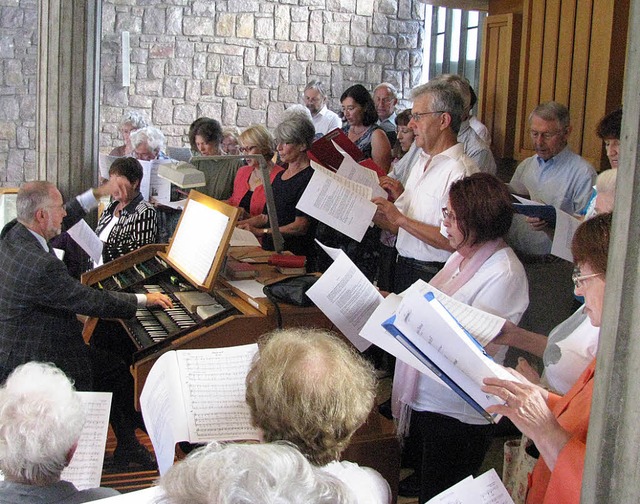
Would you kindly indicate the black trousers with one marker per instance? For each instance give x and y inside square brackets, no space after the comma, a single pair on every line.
[407,271]
[444,451]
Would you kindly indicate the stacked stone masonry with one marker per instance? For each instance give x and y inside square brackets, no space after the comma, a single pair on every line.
[240,61]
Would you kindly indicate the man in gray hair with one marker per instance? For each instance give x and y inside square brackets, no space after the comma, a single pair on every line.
[385,96]
[315,99]
[415,217]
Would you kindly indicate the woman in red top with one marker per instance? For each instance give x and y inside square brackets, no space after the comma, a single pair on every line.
[248,192]
[558,425]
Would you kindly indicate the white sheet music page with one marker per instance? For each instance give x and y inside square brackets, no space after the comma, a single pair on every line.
[346,297]
[163,409]
[350,169]
[338,202]
[566,226]
[85,469]
[88,240]
[485,489]
[197,239]
[213,387]
[482,325]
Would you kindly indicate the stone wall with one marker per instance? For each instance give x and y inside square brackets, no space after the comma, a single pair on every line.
[242,61]
[245,61]
[18,67]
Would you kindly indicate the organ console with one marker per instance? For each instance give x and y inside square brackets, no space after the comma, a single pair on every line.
[228,319]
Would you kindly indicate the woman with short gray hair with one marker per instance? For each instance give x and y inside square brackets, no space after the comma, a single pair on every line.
[294,137]
[131,122]
[148,144]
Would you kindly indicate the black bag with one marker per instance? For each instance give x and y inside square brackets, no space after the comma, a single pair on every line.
[291,291]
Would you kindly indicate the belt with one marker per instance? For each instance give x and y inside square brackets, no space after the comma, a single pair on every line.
[419,264]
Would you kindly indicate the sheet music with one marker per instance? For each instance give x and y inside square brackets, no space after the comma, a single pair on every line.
[566,226]
[349,168]
[243,238]
[251,288]
[213,387]
[482,325]
[104,163]
[153,186]
[88,240]
[85,469]
[339,203]
[485,489]
[346,297]
[197,239]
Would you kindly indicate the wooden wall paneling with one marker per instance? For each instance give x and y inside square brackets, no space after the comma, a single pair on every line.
[529,79]
[565,51]
[498,80]
[549,45]
[598,79]
[579,72]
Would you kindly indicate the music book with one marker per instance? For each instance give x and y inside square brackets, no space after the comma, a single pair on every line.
[545,212]
[434,336]
[197,396]
[325,152]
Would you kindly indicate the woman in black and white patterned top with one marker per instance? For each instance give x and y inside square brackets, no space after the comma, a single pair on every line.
[128,222]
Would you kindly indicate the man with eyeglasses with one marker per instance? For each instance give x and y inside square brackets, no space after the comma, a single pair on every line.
[385,96]
[39,301]
[556,176]
[416,215]
[315,99]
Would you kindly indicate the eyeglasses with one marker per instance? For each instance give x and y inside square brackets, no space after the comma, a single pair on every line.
[448,214]
[417,115]
[247,148]
[578,278]
[547,135]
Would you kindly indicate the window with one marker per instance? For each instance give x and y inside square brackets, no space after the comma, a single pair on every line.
[452,43]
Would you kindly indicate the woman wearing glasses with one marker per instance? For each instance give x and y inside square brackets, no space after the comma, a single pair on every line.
[248,191]
[558,424]
[448,438]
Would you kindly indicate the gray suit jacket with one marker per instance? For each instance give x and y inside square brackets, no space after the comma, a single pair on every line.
[39,301]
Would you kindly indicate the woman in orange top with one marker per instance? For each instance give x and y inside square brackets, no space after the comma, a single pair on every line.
[558,425]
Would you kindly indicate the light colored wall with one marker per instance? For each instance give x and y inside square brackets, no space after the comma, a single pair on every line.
[245,61]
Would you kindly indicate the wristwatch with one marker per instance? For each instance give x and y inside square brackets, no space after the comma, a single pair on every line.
[265,231]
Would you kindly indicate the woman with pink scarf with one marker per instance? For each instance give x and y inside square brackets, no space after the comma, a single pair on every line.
[447,438]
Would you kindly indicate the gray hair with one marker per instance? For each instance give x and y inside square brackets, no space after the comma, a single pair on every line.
[153,136]
[552,111]
[392,89]
[296,110]
[446,98]
[31,197]
[606,182]
[135,119]
[318,86]
[297,130]
[461,84]
[274,473]
[41,417]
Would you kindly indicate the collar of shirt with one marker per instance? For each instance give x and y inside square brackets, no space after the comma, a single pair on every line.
[41,240]
[391,119]
[322,111]
[453,152]
[560,157]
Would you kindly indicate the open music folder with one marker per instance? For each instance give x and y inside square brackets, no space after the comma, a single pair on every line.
[197,396]
[434,336]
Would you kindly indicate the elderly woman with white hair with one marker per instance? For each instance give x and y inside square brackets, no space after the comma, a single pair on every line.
[148,144]
[131,122]
[41,418]
[273,473]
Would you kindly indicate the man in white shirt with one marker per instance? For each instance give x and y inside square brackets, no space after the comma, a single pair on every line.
[416,215]
[315,99]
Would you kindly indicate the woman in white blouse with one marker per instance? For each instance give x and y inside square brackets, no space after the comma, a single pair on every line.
[447,438]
